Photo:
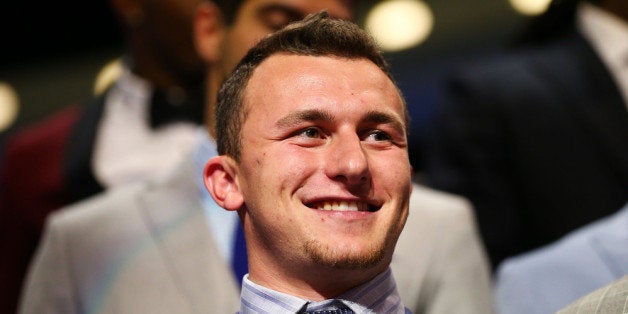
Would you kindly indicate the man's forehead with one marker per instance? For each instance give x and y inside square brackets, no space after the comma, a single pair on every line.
[281,74]
[280,64]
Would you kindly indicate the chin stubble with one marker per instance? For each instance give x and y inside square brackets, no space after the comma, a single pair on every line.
[330,257]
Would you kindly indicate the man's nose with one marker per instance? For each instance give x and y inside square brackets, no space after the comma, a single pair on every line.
[347,161]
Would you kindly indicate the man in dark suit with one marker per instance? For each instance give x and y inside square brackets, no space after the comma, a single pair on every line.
[80,151]
[538,139]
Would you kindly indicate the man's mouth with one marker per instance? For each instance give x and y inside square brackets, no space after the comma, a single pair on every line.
[345,206]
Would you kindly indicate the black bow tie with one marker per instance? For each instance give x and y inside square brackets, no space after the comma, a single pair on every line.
[175,107]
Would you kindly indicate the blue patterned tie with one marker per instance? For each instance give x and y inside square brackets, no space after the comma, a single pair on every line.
[239,261]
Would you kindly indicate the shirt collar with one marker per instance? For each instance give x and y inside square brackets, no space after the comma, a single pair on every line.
[379,295]
[133,86]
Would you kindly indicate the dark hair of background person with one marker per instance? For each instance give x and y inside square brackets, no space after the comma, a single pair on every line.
[317,35]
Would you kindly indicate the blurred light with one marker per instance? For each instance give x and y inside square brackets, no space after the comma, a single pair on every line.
[9,105]
[530,7]
[400,24]
[107,75]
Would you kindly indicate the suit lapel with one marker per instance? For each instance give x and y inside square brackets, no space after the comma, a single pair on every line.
[594,98]
[173,213]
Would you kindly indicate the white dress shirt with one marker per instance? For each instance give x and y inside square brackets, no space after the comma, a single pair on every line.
[379,295]
[126,148]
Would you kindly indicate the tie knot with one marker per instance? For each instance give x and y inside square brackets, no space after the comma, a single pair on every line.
[333,307]
[345,310]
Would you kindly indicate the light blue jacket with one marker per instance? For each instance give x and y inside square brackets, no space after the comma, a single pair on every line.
[549,278]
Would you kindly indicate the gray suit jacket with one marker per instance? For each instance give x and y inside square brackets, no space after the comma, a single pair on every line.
[147,248]
[610,299]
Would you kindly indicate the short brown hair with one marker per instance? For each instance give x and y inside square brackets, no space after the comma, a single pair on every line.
[316,35]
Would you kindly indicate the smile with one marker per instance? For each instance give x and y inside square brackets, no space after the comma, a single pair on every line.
[345,206]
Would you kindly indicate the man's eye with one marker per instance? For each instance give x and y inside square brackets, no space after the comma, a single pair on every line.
[311,133]
[377,135]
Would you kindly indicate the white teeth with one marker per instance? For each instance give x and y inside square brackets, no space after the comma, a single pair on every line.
[342,206]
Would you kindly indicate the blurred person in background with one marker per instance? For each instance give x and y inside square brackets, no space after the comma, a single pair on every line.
[139,127]
[549,278]
[167,235]
[537,138]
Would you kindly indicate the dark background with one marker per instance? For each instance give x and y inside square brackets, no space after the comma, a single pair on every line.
[45,30]
[52,51]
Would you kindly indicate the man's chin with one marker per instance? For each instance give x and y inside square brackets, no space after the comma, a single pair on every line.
[345,259]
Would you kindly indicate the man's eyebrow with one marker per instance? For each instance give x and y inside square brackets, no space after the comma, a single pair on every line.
[383,117]
[373,117]
[295,118]
[379,117]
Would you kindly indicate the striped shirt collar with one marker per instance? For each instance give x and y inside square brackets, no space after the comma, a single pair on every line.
[376,296]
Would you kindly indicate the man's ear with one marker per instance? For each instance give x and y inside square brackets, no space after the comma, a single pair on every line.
[220,177]
[208,32]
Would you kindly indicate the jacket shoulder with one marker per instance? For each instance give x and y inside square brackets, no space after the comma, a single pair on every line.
[99,210]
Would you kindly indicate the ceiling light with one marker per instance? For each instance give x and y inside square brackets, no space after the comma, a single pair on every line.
[400,24]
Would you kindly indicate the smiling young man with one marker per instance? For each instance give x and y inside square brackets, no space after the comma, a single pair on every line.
[164,246]
[311,132]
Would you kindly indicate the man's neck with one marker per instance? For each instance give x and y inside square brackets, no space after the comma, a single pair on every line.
[314,283]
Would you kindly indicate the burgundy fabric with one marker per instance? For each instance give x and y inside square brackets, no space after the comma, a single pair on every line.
[31,187]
